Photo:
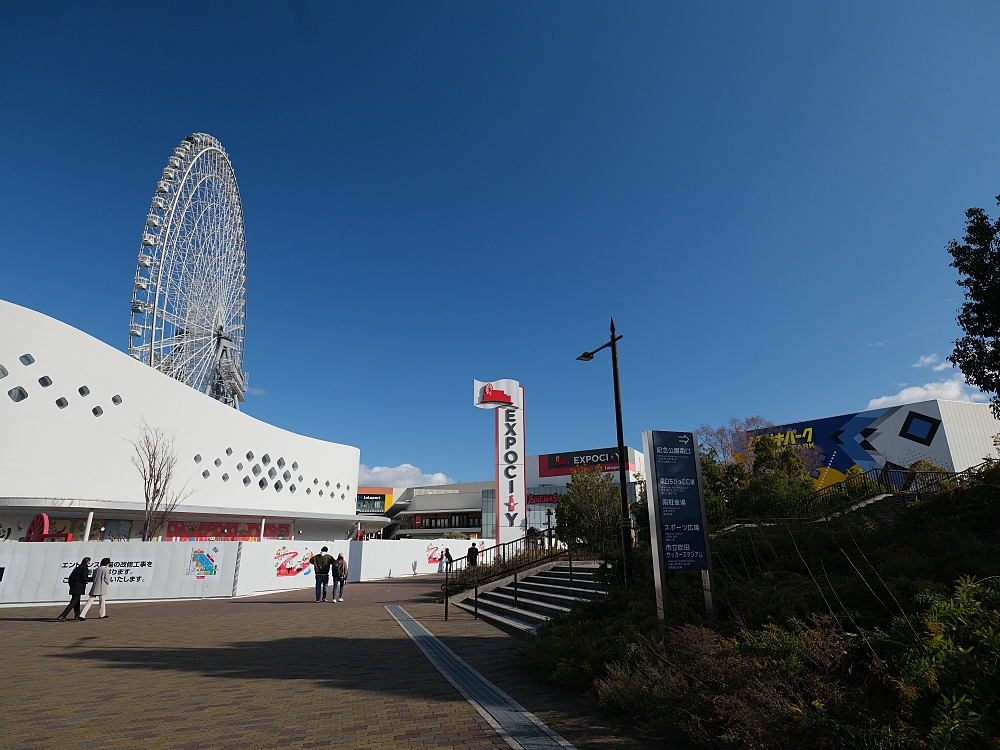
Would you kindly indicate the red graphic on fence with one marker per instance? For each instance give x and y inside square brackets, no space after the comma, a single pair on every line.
[286,564]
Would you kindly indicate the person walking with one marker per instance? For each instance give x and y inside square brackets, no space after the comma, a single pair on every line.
[472,555]
[321,567]
[339,576]
[448,559]
[77,581]
[99,591]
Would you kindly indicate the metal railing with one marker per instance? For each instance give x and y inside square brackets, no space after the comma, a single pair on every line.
[504,561]
[848,495]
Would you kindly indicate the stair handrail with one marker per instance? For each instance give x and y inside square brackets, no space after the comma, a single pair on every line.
[509,558]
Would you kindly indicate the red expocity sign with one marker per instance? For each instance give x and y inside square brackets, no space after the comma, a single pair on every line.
[564,464]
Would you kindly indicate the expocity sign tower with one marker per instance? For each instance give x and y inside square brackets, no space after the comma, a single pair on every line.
[506,398]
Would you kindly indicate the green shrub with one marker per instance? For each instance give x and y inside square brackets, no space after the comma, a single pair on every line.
[932,681]
[878,629]
[759,689]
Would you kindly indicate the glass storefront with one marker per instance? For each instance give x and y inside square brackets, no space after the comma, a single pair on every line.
[454,521]
[489,514]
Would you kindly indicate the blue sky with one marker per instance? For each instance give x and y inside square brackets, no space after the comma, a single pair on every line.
[760,193]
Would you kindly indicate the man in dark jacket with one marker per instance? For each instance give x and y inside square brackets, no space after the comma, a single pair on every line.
[77,581]
[321,564]
[472,555]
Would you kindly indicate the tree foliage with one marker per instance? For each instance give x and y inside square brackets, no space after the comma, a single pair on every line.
[590,511]
[867,631]
[977,260]
[751,474]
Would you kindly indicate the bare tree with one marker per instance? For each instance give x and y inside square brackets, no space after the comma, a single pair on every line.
[733,442]
[156,459]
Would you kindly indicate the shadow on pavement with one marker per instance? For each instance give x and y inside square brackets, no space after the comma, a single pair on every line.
[373,664]
[406,590]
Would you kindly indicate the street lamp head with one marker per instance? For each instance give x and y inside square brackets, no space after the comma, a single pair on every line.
[586,356]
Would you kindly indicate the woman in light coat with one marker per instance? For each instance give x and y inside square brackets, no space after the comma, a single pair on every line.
[102,579]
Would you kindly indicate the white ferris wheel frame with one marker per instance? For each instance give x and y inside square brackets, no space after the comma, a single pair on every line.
[189,296]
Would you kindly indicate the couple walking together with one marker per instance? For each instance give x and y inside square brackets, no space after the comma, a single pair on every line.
[78,581]
[323,565]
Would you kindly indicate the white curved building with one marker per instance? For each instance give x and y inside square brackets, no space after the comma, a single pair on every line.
[69,407]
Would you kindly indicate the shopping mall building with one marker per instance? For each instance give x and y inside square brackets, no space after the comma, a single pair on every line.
[470,507]
[954,435]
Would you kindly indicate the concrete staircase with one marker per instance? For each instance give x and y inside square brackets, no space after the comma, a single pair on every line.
[542,593]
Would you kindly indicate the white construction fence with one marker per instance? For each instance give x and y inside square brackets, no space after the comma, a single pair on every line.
[36,572]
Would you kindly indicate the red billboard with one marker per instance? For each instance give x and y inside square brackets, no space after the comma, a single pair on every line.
[564,464]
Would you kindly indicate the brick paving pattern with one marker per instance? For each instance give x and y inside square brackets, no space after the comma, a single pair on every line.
[276,671]
[497,657]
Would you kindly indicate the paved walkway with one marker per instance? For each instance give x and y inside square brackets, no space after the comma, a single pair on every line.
[519,728]
[278,671]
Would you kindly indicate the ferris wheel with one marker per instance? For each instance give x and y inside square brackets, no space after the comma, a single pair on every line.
[189,301]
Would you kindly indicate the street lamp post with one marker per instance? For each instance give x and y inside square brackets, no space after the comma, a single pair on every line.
[622,474]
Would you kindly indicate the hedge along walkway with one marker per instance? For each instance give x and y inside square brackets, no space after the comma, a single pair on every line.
[276,671]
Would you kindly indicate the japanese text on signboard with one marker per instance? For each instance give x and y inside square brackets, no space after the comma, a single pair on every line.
[679,501]
[123,572]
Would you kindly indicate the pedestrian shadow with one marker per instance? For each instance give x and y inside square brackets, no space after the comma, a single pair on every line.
[353,598]
[404,590]
[347,663]
[30,619]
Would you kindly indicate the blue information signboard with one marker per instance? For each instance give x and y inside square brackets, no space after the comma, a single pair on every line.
[677,520]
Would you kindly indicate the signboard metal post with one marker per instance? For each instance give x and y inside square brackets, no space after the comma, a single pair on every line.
[677,520]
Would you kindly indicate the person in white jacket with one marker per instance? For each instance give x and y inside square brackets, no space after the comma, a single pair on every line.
[102,579]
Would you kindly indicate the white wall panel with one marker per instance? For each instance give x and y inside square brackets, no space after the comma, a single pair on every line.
[69,457]
[34,571]
[903,452]
[40,576]
[970,429]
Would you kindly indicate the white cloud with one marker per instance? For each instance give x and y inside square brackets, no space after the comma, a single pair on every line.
[933,359]
[953,389]
[404,475]
[256,391]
